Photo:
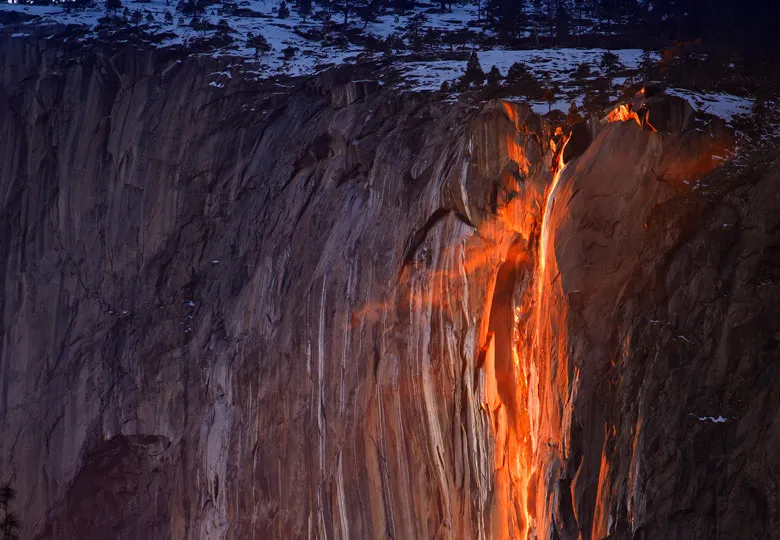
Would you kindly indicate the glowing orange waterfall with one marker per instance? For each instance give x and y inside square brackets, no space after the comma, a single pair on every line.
[545,237]
[545,341]
[522,353]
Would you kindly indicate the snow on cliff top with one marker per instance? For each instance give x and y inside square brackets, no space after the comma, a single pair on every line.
[260,17]
[294,51]
[719,104]
[311,56]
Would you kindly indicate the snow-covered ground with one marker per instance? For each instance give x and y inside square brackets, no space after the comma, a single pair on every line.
[293,54]
[556,65]
[726,106]
[556,61]
[309,55]
[460,18]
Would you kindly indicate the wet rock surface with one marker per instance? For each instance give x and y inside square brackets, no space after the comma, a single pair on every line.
[232,313]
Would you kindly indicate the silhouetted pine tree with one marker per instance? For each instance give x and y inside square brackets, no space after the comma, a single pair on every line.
[505,16]
[561,22]
[10,522]
[284,11]
[304,8]
[474,73]
[113,6]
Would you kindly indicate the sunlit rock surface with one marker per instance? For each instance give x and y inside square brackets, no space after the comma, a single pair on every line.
[320,313]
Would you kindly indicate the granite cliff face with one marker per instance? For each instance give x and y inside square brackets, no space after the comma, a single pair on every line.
[331,311]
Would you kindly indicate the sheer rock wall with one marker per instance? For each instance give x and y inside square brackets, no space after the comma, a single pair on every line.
[248,312]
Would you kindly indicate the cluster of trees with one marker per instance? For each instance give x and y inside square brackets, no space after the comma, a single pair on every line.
[635,23]
[745,26]
[136,16]
[748,26]
[748,23]
[521,81]
[736,25]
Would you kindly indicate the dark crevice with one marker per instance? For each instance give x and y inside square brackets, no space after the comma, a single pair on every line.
[418,237]
[502,324]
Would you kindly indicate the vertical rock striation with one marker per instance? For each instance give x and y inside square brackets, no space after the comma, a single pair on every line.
[648,414]
[228,313]
[234,312]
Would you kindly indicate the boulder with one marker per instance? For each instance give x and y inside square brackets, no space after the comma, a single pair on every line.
[578,142]
[668,114]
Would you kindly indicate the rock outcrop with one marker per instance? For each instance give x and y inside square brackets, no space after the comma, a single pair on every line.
[338,312]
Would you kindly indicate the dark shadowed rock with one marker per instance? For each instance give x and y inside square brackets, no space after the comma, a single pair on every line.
[351,92]
[122,491]
[9,18]
[578,142]
[668,114]
[652,90]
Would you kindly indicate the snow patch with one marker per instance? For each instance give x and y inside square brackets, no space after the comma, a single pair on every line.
[720,104]
[555,64]
[303,56]
[713,419]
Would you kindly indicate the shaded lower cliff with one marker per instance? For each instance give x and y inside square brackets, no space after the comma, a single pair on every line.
[658,407]
[255,312]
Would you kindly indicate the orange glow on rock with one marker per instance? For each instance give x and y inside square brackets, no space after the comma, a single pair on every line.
[601,517]
[495,279]
[516,154]
[511,112]
[623,113]
[544,241]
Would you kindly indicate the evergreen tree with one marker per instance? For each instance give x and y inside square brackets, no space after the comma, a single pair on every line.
[494,77]
[113,5]
[10,522]
[561,23]
[368,11]
[550,9]
[192,8]
[573,116]
[610,62]
[474,73]
[505,16]
[414,31]
[284,11]
[304,8]
[432,37]
[550,94]
[582,71]
[520,79]
[579,15]
[258,43]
